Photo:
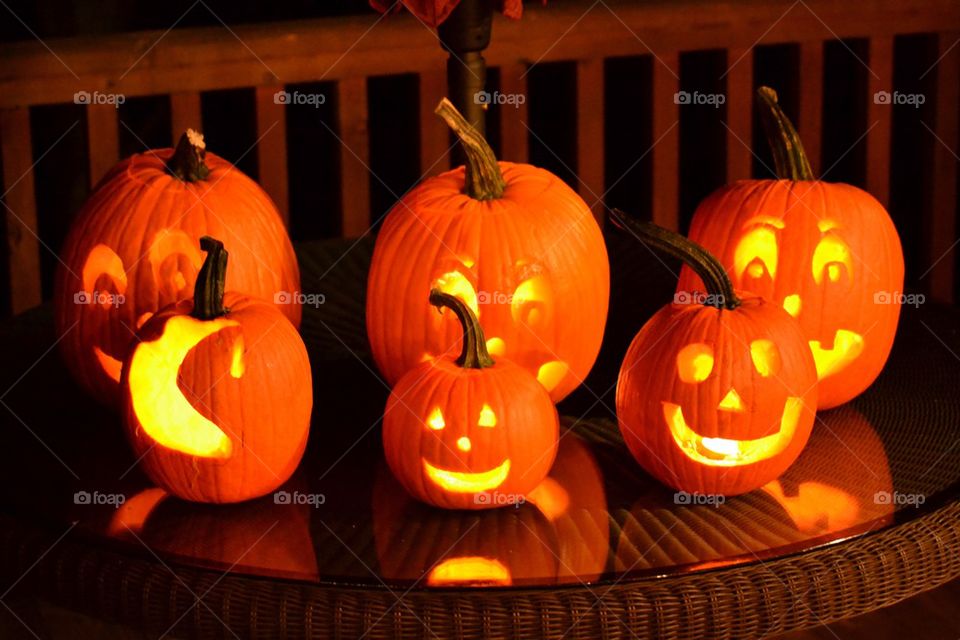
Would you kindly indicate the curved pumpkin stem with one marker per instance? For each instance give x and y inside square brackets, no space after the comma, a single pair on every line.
[483,180]
[718,284]
[474,354]
[187,160]
[209,289]
[788,154]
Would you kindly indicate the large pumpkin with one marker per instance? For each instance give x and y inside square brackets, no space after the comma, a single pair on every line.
[828,253]
[469,433]
[133,250]
[510,240]
[715,396]
[217,393]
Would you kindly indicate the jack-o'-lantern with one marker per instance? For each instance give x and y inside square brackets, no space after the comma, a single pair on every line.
[512,241]
[217,393]
[133,250]
[828,253]
[715,396]
[469,433]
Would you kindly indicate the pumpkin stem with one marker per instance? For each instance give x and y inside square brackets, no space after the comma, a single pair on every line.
[483,178]
[788,154]
[208,291]
[474,354]
[187,160]
[718,284]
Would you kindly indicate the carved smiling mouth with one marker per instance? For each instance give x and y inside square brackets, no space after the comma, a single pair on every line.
[722,452]
[462,482]
[847,347]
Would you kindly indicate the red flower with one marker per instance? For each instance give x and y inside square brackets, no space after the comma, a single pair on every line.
[433,12]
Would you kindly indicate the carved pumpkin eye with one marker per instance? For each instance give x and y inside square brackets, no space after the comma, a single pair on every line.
[757,251]
[457,284]
[487,417]
[435,420]
[695,362]
[831,255]
[766,357]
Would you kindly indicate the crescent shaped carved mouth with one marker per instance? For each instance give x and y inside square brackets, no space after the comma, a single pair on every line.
[847,347]
[475,570]
[723,452]
[463,482]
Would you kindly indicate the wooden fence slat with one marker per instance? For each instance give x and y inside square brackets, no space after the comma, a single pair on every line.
[811,101]
[666,141]
[434,134]
[739,114]
[880,118]
[272,148]
[23,247]
[941,227]
[590,139]
[185,113]
[103,140]
[514,137]
[354,156]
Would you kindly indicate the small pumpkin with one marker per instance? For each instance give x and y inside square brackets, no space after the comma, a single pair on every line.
[217,393]
[512,241]
[469,433]
[132,250]
[717,395]
[828,253]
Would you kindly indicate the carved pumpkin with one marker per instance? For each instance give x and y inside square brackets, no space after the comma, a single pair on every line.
[828,253]
[133,250]
[715,398]
[469,433]
[217,394]
[512,241]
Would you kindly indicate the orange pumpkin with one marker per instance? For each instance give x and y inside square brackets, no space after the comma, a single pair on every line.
[133,250]
[828,253]
[469,433]
[217,394]
[512,241]
[715,396]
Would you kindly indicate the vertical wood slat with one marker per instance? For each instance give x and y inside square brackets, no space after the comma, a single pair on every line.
[810,109]
[666,141]
[514,137]
[590,135]
[272,148]
[23,246]
[354,156]
[434,134]
[941,229]
[879,118]
[739,114]
[103,139]
[185,113]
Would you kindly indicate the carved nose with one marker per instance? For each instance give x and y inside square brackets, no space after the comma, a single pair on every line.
[464,444]
[731,401]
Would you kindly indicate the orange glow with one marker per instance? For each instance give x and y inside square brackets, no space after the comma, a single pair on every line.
[110,365]
[530,299]
[847,347]
[831,252]
[133,513]
[463,443]
[731,402]
[758,245]
[463,482]
[817,507]
[496,347]
[469,570]
[435,420]
[766,357]
[487,417]
[457,284]
[168,242]
[792,304]
[161,408]
[102,260]
[825,225]
[550,498]
[695,362]
[551,374]
[142,320]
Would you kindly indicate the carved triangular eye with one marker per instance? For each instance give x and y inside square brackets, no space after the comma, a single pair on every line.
[487,417]
[435,420]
